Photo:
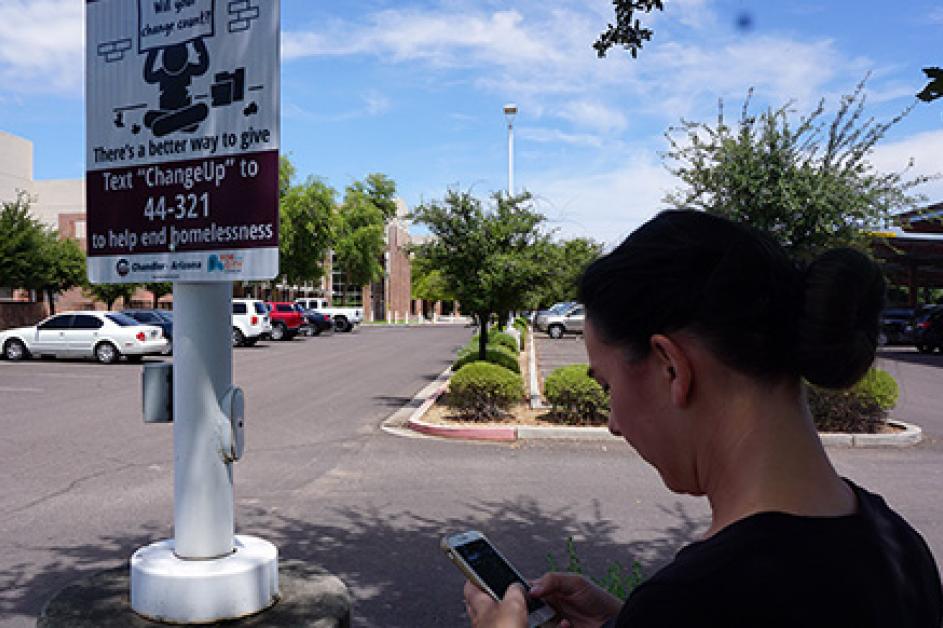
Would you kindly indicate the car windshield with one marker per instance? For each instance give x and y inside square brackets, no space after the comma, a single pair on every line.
[260,308]
[560,308]
[121,319]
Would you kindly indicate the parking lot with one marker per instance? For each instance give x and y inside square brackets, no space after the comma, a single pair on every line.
[86,482]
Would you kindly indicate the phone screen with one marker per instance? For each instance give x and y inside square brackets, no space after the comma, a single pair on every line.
[493,570]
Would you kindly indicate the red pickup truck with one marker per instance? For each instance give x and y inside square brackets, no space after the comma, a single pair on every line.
[287,319]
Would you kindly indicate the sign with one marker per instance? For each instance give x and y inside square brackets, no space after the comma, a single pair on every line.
[182,120]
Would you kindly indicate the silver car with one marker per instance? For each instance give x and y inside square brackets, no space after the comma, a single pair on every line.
[563,318]
[104,336]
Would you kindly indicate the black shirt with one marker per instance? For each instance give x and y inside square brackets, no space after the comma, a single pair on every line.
[868,569]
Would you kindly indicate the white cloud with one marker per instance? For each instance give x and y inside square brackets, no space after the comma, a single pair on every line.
[593,115]
[42,45]
[924,150]
[545,135]
[605,206]
[373,104]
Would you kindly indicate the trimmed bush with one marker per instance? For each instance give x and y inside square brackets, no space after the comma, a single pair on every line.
[482,391]
[496,354]
[860,409]
[844,411]
[577,398]
[879,385]
[521,325]
[497,338]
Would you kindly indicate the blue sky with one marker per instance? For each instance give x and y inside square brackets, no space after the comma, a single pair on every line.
[415,90]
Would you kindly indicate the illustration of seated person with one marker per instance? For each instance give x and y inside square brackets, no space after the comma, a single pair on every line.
[177,111]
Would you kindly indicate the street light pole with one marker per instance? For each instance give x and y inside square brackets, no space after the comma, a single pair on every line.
[510,110]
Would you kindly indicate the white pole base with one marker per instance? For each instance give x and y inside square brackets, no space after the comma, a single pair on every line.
[169,589]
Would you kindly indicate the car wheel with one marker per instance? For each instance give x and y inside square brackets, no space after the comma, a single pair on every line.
[314,331]
[238,338]
[555,331]
[15,350]
[342,324]
[106,353]
[279,331]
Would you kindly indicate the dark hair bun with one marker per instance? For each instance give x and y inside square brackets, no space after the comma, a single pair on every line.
[838,328]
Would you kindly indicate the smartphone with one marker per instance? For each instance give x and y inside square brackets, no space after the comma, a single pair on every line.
[484,565]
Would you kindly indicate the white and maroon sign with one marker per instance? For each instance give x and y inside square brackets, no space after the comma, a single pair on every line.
[182,120]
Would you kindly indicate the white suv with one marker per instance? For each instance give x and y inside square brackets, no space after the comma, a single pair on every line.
[250,321]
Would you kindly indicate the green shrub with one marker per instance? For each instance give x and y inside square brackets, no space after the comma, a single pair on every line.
[618,580]
[482,391]
[844,411]
[496,354]
[521,326]
[575,396]
[497,338]
[860,409]
[879,385]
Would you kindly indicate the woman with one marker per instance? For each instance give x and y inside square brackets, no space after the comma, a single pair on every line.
[702,331]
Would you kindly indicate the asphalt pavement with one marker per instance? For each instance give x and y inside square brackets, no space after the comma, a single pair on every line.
[85,482]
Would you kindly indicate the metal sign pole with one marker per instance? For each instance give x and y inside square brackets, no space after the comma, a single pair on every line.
[203,488]
[182,119]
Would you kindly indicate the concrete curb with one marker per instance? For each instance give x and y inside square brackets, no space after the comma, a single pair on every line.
[911,436]
[410,418]
[535,401]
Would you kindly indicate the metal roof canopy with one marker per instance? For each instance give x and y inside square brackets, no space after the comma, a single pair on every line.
[914,257]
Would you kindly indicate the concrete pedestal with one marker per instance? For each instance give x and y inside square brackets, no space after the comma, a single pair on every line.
[309,596]
[170,589]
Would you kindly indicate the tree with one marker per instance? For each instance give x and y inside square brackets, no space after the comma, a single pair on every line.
[23,244]
[368,206]
[489,259]
[63,268]
[108,293]
[286,173]
[625,32]
[933,89]
[307,229]
[810,185]
[33,257]
[428,283]
[568,259]
[158,290]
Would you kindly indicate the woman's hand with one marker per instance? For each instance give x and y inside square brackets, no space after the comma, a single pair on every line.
[485,612]
[580,603]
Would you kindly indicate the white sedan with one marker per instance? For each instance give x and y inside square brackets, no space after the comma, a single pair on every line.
[105,336]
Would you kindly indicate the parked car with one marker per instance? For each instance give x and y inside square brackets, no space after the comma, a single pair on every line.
[564,318]
[928,331]
[287,319]
[104,336]
[316,322]
[540,316]
[161,318]
[250,322]
[345,318]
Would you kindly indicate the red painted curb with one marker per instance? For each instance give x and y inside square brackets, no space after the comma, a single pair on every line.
[467,433]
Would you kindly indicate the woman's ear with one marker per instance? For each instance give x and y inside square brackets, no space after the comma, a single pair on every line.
[675,366]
